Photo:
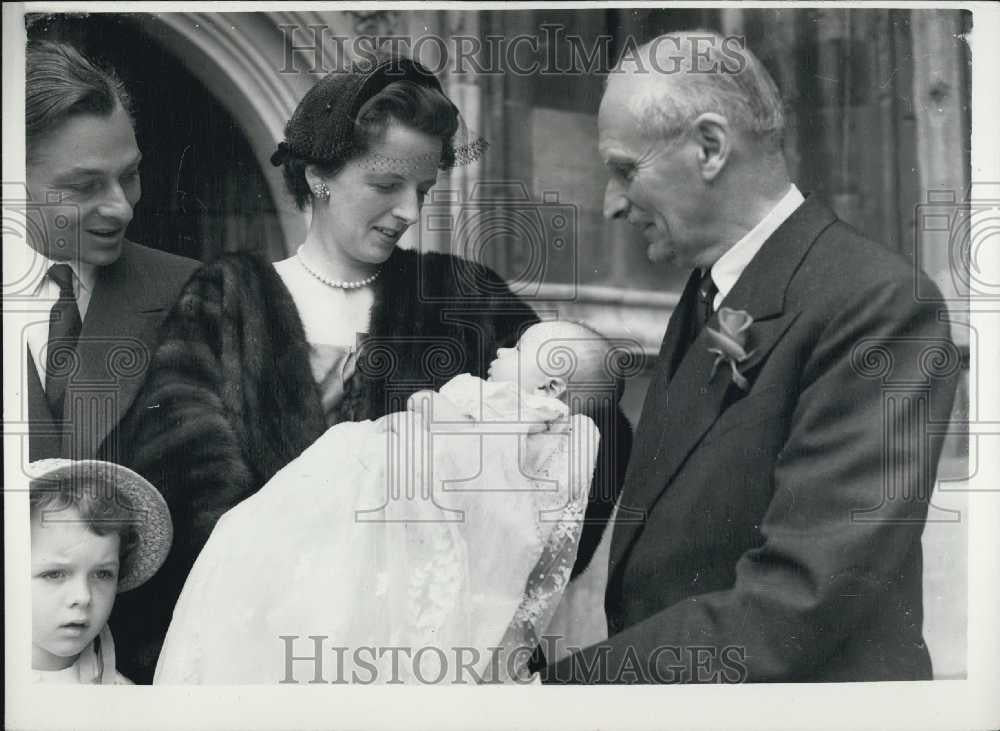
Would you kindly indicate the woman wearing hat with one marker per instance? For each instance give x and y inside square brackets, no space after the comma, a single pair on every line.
[97,530]
[257,360]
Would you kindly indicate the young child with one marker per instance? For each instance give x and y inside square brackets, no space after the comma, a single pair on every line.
[96,529]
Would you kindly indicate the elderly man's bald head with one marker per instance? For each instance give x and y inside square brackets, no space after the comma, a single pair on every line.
[678,76]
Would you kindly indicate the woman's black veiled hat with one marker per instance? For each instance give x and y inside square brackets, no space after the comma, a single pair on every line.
[322,129]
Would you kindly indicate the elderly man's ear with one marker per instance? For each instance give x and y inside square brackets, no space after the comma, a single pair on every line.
[714,138]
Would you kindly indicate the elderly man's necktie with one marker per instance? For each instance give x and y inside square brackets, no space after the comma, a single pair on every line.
[698,312]
[706,299]
[64,331]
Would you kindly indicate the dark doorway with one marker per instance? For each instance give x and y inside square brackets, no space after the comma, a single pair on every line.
[203,192]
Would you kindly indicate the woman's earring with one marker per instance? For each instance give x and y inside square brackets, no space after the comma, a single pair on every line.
[321,191]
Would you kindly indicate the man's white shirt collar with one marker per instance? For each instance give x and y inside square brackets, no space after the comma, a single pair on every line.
[728,268]
[84,275]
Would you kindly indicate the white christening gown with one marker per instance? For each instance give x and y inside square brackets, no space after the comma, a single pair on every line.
[429,546]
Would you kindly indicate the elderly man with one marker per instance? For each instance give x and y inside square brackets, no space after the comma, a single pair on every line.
[770,522]
[105,295]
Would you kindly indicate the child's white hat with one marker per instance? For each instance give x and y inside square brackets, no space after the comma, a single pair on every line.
[153,527]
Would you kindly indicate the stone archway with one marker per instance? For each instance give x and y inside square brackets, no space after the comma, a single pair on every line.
[237,57]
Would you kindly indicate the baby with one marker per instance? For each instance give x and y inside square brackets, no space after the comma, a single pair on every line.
[576,364]
[96,529]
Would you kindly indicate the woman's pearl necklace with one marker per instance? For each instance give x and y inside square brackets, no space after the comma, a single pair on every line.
[336,283]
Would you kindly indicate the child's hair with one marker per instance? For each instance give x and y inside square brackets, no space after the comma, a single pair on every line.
[101,512]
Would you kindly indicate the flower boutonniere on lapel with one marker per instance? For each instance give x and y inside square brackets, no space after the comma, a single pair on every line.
[729,343]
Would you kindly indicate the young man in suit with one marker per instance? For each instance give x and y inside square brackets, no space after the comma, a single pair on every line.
[101,296]
[771,518]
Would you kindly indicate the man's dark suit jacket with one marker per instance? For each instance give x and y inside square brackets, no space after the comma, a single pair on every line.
[130,299]
[774,534]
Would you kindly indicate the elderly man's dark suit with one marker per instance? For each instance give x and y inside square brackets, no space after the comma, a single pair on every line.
[778,531]
[130,299]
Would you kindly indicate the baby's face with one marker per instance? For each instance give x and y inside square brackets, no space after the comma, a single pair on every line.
[536,357]
[74,580]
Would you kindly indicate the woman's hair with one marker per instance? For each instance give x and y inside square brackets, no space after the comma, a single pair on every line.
[61,83]
[103,511]
[414,105]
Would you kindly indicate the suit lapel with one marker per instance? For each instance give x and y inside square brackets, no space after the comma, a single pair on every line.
[675,340]
[646,442]
[687,401]
[114,350]
[44,432]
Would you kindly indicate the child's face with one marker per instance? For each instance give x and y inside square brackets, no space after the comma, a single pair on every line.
[523,363]
[74,579]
